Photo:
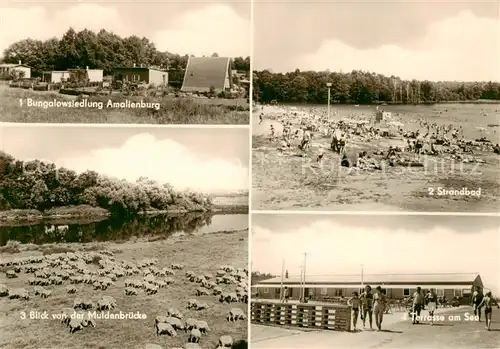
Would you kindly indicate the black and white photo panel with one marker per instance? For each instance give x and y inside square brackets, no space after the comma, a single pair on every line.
[123,237]
[376,106]
[355,281]
[142,62]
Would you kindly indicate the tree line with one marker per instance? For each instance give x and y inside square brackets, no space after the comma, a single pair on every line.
[42,186]
[360,87]
[103,50]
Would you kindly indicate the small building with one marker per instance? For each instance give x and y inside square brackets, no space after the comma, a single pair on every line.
[395,286]
[55,76]
[206,73]
[18,70]
[148,75]
[90,75]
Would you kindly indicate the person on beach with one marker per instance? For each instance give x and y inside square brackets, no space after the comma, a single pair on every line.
[418,304]
[261,118]
[488,302]
[379,304]
[355,303]
[432,302]
[367,303]
[477,298]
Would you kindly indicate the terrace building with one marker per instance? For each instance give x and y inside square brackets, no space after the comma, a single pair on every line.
[206,73]
[395,286]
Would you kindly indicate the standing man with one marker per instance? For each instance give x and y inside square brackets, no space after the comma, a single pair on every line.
[367,304]
[285,294]
[418,304]
[477,298]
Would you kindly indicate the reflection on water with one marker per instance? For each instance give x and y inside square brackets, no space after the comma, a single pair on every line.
[119,229]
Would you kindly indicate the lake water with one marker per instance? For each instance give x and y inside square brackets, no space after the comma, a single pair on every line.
[469,116]
[118,229]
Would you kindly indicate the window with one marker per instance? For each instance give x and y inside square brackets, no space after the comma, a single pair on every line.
[266,290]
[466,292]
[457,293]
[406,292]
[384,291]
[324,291]
[440,292]
[339,292]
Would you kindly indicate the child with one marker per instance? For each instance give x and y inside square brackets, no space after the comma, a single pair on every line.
[488,303]
[355,303]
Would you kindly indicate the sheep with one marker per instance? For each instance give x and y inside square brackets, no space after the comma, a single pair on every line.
[192,304]
[11,274]
[202,292]
[66,315]
[226,341]
[191,323]
[71,289]
[194,336]
[4,291]
[45,294]
[163,328]
[202,326]
[201,306]
[129,291]
[177,266]
[161,319]
[175,323]
[174,313]
[235,314]
[19,293]
[78,324]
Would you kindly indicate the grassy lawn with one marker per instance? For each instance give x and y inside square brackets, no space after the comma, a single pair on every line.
[184,110]
[200,254]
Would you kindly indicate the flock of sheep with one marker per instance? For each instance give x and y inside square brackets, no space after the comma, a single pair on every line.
[101,270]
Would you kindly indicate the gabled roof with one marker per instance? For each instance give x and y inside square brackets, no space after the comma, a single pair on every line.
[379,279]
[205,72]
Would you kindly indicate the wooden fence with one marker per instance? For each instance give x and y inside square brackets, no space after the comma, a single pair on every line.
[324,316]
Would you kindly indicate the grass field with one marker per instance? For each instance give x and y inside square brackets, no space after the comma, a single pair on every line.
[172,110]
[223,249]
[288,182]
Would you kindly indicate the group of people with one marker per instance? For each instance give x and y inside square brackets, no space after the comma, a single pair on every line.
[369,304]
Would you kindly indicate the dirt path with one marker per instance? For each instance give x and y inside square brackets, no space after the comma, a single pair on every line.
[399,334]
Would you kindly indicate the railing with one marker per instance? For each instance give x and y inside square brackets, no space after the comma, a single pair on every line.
[324,316]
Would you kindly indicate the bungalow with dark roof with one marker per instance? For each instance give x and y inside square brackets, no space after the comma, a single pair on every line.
[206,73]
[395,286]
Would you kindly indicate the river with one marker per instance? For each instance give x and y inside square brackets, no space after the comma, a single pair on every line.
[118,229]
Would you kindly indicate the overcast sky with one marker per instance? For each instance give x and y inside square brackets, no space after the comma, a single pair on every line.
[435,40]
[199,27]
[211,160]
[383,244]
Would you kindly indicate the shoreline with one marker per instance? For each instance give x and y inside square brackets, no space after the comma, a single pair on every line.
[297,105]
[87,212]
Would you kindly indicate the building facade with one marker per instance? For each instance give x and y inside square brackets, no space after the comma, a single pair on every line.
[149,76]
[394,286]
[55,76]
[21,70]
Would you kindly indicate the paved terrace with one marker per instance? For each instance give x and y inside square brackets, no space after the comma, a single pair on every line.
[399,333]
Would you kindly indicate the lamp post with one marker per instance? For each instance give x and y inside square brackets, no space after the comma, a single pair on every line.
[304,278]
[329,85]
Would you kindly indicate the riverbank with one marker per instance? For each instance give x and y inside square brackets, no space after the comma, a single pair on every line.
[89,212]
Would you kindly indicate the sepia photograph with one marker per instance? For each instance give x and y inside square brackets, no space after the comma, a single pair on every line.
[374,281]
[119,237]
[114,62]
[376,106]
